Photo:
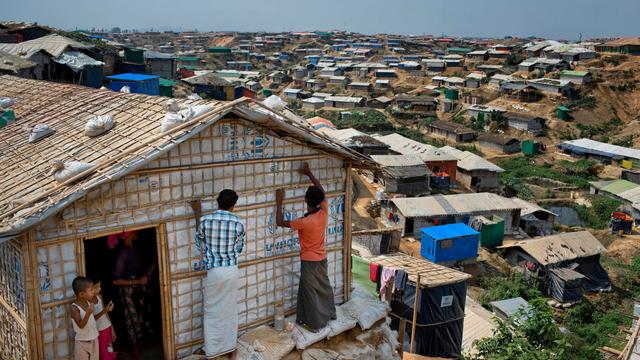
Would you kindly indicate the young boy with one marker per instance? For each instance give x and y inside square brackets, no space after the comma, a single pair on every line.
[84,324]
[103,323]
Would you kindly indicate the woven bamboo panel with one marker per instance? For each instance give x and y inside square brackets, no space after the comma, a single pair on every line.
[13,337]
[431,275]
[232,154]
[11,276]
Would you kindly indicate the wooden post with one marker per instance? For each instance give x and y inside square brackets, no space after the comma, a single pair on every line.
[415,314]
[165,292]
[32,293]
[401,331]
[347,234]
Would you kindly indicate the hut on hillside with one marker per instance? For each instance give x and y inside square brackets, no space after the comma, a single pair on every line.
[143,180]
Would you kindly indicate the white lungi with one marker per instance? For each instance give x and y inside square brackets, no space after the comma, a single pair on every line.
[220,310]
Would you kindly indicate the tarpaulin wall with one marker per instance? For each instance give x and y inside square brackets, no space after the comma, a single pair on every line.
[231,154]
[440,318]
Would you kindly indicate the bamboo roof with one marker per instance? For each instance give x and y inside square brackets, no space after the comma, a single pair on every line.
[431,275]
[29,194]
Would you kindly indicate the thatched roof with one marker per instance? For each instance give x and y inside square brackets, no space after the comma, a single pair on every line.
[30,194]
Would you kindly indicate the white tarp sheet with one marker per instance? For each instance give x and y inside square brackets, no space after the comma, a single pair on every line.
[76,60]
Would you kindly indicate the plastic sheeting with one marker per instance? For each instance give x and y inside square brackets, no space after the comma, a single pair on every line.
[597,277]
[440,318]
[564,290]
[76,60]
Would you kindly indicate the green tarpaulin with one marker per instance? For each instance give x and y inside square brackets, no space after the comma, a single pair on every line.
[360,272]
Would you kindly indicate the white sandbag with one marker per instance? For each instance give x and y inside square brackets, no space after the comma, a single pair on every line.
[322,354]
[6,102]
[246,352]
[275,103]
[98,125]
[172,105]
[125,89]
[39,131]
[366,311]
[173,119]
[63,171]
[103,88]
[194,96]
[383,340]
[271,344]
[305,338]
[343,322]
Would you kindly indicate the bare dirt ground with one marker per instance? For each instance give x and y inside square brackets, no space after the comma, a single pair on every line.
[363,194]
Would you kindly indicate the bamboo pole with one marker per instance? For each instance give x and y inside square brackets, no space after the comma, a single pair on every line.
[165,292]
[401,333]
[225,163]
[34,309]
[415,314]
[347,235]
[107,161]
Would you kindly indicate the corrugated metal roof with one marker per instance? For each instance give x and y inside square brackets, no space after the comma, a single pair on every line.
[469,161]
[530,208]
[589,146]
[510,307]
[459,204]
[478,324]
[567,274]
[403,145]
[560,247]
[449,231]
[53,44]
[398,160]
[9,62]
[616,187]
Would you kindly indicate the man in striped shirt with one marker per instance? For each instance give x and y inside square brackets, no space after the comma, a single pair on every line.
[220,238]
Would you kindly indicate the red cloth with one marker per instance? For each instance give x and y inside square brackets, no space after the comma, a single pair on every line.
[373,272]
[105,344]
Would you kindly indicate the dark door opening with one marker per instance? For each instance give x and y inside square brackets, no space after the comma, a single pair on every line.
[140,259]
[408,226]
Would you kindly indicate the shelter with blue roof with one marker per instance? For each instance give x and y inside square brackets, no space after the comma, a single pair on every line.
[138,83]
[449,243]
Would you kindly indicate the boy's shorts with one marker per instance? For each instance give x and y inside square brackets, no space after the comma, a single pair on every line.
[86,350]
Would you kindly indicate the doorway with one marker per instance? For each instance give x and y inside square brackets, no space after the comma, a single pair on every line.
[101,256]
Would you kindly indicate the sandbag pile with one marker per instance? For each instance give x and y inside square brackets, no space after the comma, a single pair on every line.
[98,125]
[177,116]
[63,171]
[39,131]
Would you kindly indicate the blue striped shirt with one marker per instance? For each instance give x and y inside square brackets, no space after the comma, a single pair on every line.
[220,238]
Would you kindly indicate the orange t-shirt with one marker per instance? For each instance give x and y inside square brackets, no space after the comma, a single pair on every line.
[312,230]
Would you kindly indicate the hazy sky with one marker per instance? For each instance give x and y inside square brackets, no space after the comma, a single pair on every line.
[560,19]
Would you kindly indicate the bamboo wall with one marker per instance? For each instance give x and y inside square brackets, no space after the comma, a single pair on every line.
[231,154]
[13,330]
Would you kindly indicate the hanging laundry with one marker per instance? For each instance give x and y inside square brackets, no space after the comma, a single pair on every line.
[400,280]
[373,271]
[387,280]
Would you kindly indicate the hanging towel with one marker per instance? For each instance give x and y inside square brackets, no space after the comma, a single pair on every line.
[388,273]
[373,272]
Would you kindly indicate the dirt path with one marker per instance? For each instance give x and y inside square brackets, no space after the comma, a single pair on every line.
[363,194]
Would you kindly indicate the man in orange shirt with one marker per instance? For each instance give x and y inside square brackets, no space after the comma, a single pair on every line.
[315,294]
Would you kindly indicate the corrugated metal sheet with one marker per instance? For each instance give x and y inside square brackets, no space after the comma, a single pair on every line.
[478,324]
[469,161]
[460,204]
[53,44]
[398,160]
[560,247]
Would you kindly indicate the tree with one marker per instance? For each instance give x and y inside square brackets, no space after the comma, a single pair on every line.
[527,335]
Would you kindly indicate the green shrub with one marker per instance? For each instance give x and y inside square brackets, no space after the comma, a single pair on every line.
[598,215]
